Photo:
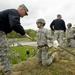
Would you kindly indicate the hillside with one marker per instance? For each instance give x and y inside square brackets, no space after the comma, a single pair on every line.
[31,67]
[65,66]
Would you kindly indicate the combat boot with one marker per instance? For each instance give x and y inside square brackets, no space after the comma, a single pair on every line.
[55,56]
[7,73]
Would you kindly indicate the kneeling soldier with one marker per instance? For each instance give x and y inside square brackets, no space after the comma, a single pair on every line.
[42,36]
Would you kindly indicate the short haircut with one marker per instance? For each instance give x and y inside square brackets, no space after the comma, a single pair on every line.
[58,15]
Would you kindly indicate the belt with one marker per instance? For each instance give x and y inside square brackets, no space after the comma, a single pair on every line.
[42,46]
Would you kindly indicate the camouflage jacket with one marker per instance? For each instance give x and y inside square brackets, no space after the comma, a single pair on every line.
[70,33]
[42,36]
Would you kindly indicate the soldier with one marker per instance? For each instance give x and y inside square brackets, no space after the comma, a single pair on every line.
[10,20]
[58,26]
[42,36]
[69,34]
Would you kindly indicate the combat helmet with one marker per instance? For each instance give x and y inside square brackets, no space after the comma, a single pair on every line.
[69,24]
[41,21]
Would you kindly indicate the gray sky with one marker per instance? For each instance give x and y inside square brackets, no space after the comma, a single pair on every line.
[46,9]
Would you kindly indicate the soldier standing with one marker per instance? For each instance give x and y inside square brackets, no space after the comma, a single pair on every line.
[58,26]
[10,20]
[69,34]
[42,36]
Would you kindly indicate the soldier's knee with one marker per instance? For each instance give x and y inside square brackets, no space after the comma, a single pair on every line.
[39,60]
[44,63]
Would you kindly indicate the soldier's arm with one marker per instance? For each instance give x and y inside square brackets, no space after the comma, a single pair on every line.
[14,21]
[49,35]
[64,26]
[27,36]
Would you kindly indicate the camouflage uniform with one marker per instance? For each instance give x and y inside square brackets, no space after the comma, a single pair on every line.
[43,56]
[58,35]
[4,53]
[69,36]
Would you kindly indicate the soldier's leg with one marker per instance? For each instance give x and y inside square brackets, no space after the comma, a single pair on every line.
[56,35]
[61,34]
[68,42]
[39,55]
[4,54]
[55,56]
[46,58]
[72,43]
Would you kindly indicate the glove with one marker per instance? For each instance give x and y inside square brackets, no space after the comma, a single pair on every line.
[55,44]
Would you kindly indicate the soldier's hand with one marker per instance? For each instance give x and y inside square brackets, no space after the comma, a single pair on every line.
[30,38]
[33,39]
[55,44]
[26,35]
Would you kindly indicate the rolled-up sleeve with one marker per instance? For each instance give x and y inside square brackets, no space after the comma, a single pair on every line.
[14,20]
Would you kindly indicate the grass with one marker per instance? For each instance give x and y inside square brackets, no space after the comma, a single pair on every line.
[23,39]
[32,67]
[65,66]
[22,51]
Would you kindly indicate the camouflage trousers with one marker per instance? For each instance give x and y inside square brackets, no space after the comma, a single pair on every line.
[58,35]
[5,60]
[73,43]
[44,57]
[68,42]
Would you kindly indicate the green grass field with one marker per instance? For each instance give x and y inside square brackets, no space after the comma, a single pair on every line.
[22,51]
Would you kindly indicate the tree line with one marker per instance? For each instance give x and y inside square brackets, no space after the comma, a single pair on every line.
[30,32]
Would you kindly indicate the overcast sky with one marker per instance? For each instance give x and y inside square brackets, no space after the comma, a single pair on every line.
[46,9]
